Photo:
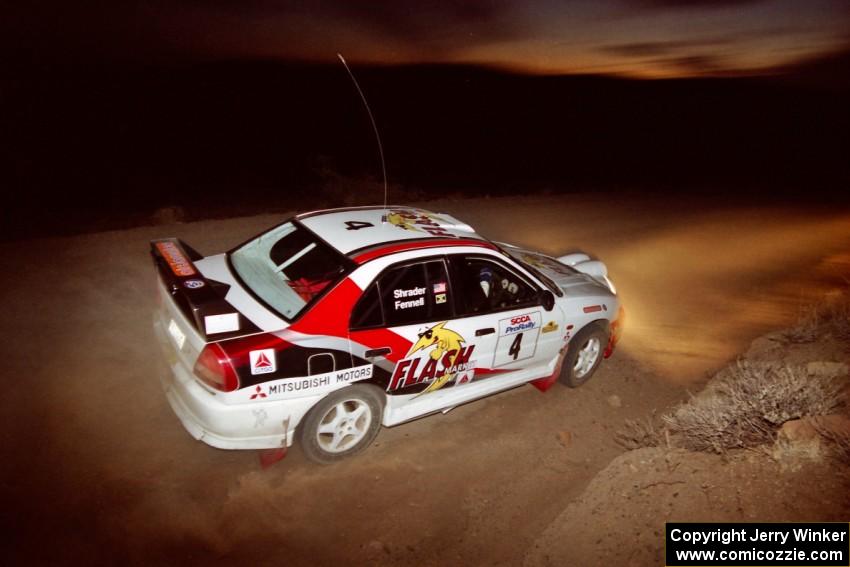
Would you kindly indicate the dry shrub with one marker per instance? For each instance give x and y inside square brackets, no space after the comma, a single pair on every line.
[807,328]
[638,433]
[830,314]
[835,311]
[839,440]
[745,405]
[840,319]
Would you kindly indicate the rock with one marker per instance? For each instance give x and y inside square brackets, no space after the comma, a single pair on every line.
[565,438]
[764,347]
[798,430]
[808,439]
[823,368]
[378,546]
[834,425]
[798,442]
[168,215]
[614,401]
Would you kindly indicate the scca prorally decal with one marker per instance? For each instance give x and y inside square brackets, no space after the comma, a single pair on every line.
[517,338]
[303,386]
[175,258]
[419,222]
[519,323]
[448,359]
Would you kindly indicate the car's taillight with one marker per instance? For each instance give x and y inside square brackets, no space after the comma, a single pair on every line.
[215,369]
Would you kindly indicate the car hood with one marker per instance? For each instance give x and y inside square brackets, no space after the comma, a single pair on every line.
[571,281]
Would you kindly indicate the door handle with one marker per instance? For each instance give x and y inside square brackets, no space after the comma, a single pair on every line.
[487,331]
[376,352]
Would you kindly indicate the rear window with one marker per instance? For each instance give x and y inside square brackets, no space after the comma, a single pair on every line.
[287,267]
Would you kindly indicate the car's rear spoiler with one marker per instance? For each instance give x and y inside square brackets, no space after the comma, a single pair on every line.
[200,299]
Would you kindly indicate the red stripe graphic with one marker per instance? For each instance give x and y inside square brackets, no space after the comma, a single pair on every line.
[330,315]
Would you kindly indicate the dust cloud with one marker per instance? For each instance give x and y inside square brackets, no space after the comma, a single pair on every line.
[699,281]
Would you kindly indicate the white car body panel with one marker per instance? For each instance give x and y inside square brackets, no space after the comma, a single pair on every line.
[388,225]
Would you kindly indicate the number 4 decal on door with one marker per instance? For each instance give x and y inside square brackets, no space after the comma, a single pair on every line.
[517,338]
[515,346]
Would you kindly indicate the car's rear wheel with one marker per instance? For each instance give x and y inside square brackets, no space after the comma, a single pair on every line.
[583,355]
[342,424]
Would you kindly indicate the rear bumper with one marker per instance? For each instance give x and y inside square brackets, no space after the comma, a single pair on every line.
[253,425]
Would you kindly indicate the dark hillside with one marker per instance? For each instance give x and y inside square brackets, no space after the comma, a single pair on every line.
[269,134]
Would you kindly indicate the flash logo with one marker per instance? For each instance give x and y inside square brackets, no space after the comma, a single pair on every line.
[426,222]
[447,358]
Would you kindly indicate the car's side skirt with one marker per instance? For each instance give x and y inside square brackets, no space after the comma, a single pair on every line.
[400,409]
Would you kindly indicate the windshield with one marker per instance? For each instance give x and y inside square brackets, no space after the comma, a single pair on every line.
[534,263]
[287,267]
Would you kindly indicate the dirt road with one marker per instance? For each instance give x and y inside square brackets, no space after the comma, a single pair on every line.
[95,467]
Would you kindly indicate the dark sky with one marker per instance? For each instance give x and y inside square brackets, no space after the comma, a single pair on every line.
[639,38]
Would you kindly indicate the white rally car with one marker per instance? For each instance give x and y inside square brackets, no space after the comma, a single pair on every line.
[335,322]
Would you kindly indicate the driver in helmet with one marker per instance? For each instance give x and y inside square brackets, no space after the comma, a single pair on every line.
[499,291]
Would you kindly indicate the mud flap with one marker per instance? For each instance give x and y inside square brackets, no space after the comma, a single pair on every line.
[544,384]
[268,457]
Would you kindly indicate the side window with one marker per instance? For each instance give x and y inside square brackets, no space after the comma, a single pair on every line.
[486,286]
[367,312]
[439,291]
[405,295]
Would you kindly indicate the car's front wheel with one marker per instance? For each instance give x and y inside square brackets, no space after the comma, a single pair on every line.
[342,424]
[583,355]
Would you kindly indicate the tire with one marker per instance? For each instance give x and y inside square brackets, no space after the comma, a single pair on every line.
[342,424]
[583,355]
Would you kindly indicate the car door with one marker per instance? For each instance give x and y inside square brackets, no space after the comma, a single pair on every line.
[493,296]
[407,317]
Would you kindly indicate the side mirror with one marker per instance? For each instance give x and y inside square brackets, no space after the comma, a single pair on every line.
[547,299]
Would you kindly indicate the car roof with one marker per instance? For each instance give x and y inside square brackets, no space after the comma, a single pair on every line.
[368,232]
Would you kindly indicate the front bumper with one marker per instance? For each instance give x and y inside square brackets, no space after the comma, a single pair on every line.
[616,332]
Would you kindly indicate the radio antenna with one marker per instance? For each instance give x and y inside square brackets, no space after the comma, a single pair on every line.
[374,127]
